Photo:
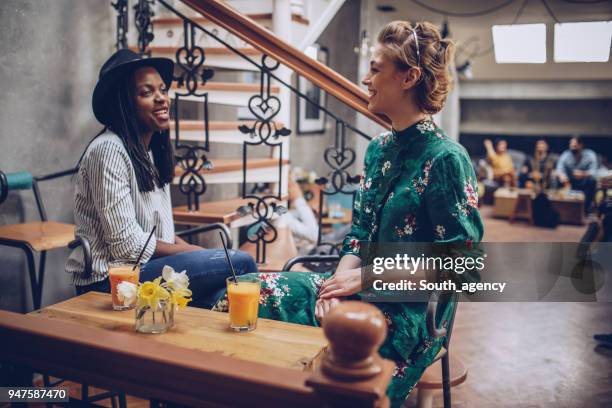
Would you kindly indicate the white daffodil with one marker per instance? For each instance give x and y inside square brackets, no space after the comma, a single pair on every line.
[175,280]
[127,292]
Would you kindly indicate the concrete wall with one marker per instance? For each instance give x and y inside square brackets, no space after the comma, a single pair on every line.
[50,55]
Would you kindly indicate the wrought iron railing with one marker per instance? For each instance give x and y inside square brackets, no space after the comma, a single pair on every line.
[192,74]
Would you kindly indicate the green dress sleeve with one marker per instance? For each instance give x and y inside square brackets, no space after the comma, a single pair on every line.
[452,205]
[452,200]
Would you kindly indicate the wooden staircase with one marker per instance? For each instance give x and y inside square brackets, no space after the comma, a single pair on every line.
[216,57]
[223,130]
[230,171]
[220,131]
[250,34]
[224,211]
[224,93]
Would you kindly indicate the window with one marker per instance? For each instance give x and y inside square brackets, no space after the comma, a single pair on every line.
[520,43]
[583,42]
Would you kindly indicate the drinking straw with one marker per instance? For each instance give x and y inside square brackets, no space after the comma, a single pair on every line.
[228,258]
[143,248]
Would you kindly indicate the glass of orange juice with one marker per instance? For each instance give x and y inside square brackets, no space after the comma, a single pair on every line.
[121,271]
[243,298]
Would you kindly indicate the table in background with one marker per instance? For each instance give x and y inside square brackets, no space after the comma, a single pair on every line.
[570,206]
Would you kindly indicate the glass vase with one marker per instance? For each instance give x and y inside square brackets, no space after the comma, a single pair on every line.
[157,320]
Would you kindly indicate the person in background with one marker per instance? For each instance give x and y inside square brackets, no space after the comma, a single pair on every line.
[503,168]
[304,224]
[539,168]
[576,169]
[300,218]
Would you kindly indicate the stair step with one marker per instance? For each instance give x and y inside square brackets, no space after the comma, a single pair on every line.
[220,57]
[226,171]
[219,131]
[226,93]
[260,17]
[169,31]
[223,211]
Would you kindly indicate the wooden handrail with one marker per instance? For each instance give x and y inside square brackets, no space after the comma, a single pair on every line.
[324,77]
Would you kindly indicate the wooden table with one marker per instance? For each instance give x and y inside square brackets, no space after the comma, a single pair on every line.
[570,206]
[293,346]
[199,362]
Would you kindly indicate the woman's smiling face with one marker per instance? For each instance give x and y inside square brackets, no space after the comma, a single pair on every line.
[151,100]
[385,83]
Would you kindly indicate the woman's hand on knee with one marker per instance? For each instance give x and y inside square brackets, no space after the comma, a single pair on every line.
[323,306]
[342,283]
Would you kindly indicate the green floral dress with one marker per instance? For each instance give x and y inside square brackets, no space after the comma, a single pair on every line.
[417,186]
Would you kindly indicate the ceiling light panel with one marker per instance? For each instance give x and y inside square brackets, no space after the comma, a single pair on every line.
[583,42]
[519,43]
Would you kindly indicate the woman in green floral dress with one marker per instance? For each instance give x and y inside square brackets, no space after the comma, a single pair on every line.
[417,186]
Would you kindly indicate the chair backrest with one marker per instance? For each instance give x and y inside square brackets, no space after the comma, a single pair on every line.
[26,181]
[437,300]
[329,261]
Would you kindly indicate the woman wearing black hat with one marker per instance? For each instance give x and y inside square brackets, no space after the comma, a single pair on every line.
[122,186]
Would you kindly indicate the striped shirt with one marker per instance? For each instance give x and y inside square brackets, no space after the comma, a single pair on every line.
[112,213]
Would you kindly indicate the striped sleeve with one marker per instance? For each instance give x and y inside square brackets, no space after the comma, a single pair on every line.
[108,171]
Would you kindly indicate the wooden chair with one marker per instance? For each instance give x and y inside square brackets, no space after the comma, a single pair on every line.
[38,236]
[438,375]
[453,371]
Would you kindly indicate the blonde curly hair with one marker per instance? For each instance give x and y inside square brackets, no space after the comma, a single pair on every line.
[429,52]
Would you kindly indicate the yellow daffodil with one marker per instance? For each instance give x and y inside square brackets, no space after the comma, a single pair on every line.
[180,297]
[180,301]
[173,290]
[151,293]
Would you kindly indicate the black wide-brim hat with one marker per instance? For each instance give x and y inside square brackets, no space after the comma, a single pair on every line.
[114,69]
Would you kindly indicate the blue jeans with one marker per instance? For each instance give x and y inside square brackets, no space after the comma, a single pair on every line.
[207,270]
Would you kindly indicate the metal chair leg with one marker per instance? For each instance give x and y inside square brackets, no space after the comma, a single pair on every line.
[33,279]
[446,388]
[41,276]
[122,400]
